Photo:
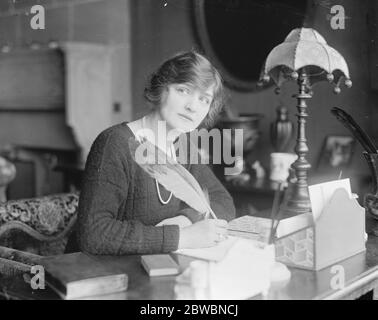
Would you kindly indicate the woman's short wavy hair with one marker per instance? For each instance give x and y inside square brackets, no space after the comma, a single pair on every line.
[190,68]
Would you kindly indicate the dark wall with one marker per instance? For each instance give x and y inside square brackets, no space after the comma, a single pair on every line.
[159,31]
[160,28]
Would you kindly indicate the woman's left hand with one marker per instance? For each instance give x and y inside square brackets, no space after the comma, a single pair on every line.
[181,221]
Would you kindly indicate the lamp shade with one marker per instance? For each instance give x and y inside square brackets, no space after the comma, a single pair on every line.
[305,49]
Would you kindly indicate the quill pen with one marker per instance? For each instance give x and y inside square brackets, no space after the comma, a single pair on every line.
[355,129]
[170,174]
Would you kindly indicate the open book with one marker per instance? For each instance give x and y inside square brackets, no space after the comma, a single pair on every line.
[252,228]
[215,253]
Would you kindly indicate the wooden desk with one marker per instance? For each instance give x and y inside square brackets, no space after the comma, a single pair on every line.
[361,277]
[257,195]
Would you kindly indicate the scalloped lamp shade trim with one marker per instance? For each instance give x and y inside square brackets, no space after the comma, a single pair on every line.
[305,47]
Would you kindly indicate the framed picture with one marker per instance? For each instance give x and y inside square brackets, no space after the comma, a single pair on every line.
[336,153]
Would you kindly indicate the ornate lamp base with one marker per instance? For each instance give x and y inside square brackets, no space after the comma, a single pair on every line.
[298,201]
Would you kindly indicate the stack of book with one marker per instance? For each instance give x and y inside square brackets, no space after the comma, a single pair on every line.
[78,276]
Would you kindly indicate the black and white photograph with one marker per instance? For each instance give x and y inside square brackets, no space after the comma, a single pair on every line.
[337,153]
[194,153]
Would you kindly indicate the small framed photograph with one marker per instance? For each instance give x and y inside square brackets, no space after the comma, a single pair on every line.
[336,153]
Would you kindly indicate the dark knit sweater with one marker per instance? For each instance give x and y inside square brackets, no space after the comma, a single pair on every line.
[119,205]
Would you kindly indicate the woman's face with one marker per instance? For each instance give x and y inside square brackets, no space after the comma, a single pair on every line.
[183,107]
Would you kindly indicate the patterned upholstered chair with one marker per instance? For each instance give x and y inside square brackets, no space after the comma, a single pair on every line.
[38,225]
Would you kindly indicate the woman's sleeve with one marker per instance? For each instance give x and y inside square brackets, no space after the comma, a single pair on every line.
[102,200]
[220,200]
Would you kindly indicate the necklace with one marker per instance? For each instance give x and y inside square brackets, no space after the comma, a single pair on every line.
[156,182]
[159,195]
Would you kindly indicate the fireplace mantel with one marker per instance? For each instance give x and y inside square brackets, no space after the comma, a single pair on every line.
[53,104]
[56,98]
[88,91]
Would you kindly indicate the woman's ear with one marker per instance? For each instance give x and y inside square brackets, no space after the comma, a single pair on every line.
[164,95]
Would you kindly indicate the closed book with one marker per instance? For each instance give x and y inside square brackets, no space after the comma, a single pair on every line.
[77,275]
[159,265]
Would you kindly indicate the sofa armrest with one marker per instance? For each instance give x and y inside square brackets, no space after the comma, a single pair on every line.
[47,220]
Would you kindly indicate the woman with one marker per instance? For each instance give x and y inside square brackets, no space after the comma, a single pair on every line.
[122,210]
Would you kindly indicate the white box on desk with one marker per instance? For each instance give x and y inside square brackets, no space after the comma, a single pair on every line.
[337,234]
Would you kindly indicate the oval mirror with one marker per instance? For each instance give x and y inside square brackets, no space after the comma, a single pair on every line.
[237,35]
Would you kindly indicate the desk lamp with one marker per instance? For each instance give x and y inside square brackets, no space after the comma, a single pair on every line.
[306,58]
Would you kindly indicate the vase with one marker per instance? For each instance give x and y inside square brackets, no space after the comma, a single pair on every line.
[281,131]
[250,124]
[371,199]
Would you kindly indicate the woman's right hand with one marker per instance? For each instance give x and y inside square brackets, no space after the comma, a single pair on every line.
[205,233]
